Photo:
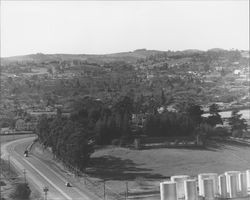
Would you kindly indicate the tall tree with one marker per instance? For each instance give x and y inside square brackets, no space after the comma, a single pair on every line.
[215,117]
[236,122]
[123,109]
[163,98]
[195,113]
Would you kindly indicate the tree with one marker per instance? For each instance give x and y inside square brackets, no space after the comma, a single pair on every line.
[214,109]
[204,129]
[123,111]
[43,129]
[206,67]
[195,113]
[163,98]
[78,147]
[215,117]
[21,191]
[50,71]
[236,122]
[77,83]
[168,124]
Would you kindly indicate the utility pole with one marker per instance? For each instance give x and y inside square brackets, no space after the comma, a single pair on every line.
[45,189]
[0,180]
[126,192]
[104,190]
[24,175]
[0,171]
[8,163]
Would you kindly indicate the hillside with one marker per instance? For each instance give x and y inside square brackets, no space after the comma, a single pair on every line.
[171,77]
[132,56]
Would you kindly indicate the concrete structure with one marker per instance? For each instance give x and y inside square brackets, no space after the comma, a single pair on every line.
[168,190]
[190,189]
[208,188]
[222,183]
[233,185]
[21,125]
[201,177]
[243,184]
[248,179]
[232,178]
[180,184]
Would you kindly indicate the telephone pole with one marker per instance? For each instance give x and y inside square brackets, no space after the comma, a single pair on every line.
[24,175]
[104,190]
[45,189]
[8,164]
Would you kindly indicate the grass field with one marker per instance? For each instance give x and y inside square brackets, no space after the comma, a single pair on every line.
[145,169]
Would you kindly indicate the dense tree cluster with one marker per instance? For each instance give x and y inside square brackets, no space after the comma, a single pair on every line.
[92,121]
[169,124]
[237,123]
[71,138]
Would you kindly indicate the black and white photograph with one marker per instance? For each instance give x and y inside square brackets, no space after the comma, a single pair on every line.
[124,100]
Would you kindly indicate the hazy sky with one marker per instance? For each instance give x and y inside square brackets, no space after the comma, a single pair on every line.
[115,26]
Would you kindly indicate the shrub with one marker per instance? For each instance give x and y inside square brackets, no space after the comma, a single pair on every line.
[115,142]
[141,181]
[126,139]
[221,131]
[2,183]
[21,191]
[237,133]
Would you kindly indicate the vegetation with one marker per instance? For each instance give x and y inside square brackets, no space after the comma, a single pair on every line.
[93,122]
[169,124]
[21,191]
[237,123]
[214,117]
[90,120]
[113,98]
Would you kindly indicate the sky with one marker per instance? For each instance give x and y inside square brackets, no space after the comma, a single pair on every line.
[100,27]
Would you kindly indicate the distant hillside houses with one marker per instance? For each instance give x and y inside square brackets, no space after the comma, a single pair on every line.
[237,72]
[49,114]
[5,130]
[21,125]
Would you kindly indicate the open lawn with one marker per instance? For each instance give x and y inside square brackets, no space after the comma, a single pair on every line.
[144,169]
[141,171]
[125,164]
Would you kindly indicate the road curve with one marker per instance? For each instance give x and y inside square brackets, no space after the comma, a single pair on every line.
[38,173]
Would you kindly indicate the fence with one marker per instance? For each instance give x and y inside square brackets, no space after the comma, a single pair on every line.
[101,189]
[156,142]
[98,187]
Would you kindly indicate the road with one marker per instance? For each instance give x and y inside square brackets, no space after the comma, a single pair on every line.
[39,174]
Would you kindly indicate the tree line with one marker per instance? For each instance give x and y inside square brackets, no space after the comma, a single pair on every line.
[92,122]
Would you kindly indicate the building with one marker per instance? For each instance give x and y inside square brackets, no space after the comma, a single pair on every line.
[21,125]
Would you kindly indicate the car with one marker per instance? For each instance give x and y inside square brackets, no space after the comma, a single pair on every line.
[26,153]
[68,184]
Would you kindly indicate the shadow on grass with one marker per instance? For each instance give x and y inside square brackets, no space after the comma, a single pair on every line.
[113,168]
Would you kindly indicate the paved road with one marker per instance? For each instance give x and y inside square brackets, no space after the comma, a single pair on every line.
[39,174]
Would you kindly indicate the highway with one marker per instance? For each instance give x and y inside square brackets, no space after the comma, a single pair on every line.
[39,174]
